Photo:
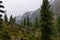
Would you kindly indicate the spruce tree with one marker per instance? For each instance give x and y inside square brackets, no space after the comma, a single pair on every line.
[11,19]
[46,20]
[58,27]
[1,11]
[30,24]
[5,18]
[36,22]
[28,21]
[24,21]
[14,20]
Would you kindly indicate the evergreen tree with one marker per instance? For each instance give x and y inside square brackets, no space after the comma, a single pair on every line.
[24,21]
[6,36]
[36,22]
[28,21]
[11,19]
[14,20]
[30,24]
[58,27]
[1,11]
[5,18]
[46,20]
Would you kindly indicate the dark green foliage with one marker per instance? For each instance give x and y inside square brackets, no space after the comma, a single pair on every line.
[1,21]
[12,20]
[24,21]
[5,18]
[28,21]
[6,36]
[36,22]
[30,24]
[58,27]
[46,20]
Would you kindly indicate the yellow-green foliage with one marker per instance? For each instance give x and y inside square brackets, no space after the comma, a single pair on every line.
[24,33]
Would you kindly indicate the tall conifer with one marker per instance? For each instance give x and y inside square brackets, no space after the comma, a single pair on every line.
[46,20]
[5,18]
[28,21]
[24,21]
[11,19]
[58,27]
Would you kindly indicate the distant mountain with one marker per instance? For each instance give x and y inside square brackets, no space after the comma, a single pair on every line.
[27,14]
[55,7]
[21,18]
[18,19]
[32,15]
[35,14]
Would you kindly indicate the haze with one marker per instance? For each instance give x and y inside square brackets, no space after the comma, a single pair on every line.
[19,7]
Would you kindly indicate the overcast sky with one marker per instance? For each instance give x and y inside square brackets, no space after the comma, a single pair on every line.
[19,7]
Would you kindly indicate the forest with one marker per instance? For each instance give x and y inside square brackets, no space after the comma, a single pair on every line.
[46,28]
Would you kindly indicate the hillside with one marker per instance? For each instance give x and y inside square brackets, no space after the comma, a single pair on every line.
[32,25]
[18,32]
[32,15]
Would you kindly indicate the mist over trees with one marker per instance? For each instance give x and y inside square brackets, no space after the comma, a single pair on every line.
[47,27]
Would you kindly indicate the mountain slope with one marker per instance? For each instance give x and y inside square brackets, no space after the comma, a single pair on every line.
[32,15]
[36,14]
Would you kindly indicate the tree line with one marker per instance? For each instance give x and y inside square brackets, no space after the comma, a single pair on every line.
[49,26]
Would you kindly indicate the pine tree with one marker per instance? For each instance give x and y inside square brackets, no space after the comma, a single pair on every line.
[46,20]
[1,11]
[28,21]
[5,18]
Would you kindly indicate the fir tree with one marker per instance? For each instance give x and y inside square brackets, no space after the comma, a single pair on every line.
[36,22]
[46,20]
[58,27]
[11,19]
[24,21]
[14,20]
[5,18]
[28,21]
[30,24]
